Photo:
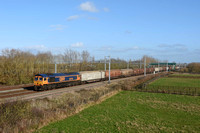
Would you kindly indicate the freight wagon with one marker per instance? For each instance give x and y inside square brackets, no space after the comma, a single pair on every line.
[91,76]
[141,71]
[127,72]
[156,69]
[113,74]
[150,70]
[136,72]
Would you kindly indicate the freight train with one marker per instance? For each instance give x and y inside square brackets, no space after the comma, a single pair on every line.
[57,80]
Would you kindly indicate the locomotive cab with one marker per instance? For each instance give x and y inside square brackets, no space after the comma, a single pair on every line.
[40,81]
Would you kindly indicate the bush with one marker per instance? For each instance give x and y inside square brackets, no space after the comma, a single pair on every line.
[194,67]
[25,116]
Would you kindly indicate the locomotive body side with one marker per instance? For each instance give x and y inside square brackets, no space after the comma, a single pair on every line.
[50,81]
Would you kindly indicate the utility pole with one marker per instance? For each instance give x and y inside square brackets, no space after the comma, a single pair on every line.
[128,65]
[145,66]
[158,67]
[140,64]
[109,69]
[105,63]
[55,68]
[167,66]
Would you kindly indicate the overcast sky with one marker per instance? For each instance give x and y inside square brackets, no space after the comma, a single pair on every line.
[128,29]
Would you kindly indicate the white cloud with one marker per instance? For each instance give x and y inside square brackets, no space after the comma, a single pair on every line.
[112,49]
[179,45]
[136,48]
[164,46]
[128,32]
[106,9]
[197,50]
[58,27]
[42,48]
[74,17]
[70,18]
[37,47]
[92,18]
[170,46]
[176,47]
[88,6]
[105,48]
[77,45]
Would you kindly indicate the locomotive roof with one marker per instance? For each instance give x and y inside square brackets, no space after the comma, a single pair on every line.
[57,74]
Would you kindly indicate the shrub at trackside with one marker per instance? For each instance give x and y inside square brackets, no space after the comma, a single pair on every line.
[27,116]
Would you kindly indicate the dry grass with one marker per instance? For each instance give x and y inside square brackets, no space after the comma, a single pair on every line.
[27,116]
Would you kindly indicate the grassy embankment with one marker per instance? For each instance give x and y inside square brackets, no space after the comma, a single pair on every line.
[131,111]
[26,116]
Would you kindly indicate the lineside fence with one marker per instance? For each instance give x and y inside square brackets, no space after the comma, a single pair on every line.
[142,85]
[190,77]
[132,84]
[192,91]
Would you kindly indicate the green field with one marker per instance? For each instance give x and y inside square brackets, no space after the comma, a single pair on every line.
[183,86]
[130,111]
[179,82]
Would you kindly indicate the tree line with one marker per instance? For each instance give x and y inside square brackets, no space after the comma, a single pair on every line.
[192,68]
[19,67]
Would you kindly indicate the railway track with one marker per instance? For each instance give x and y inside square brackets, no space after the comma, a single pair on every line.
[2,88]
[27,92]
